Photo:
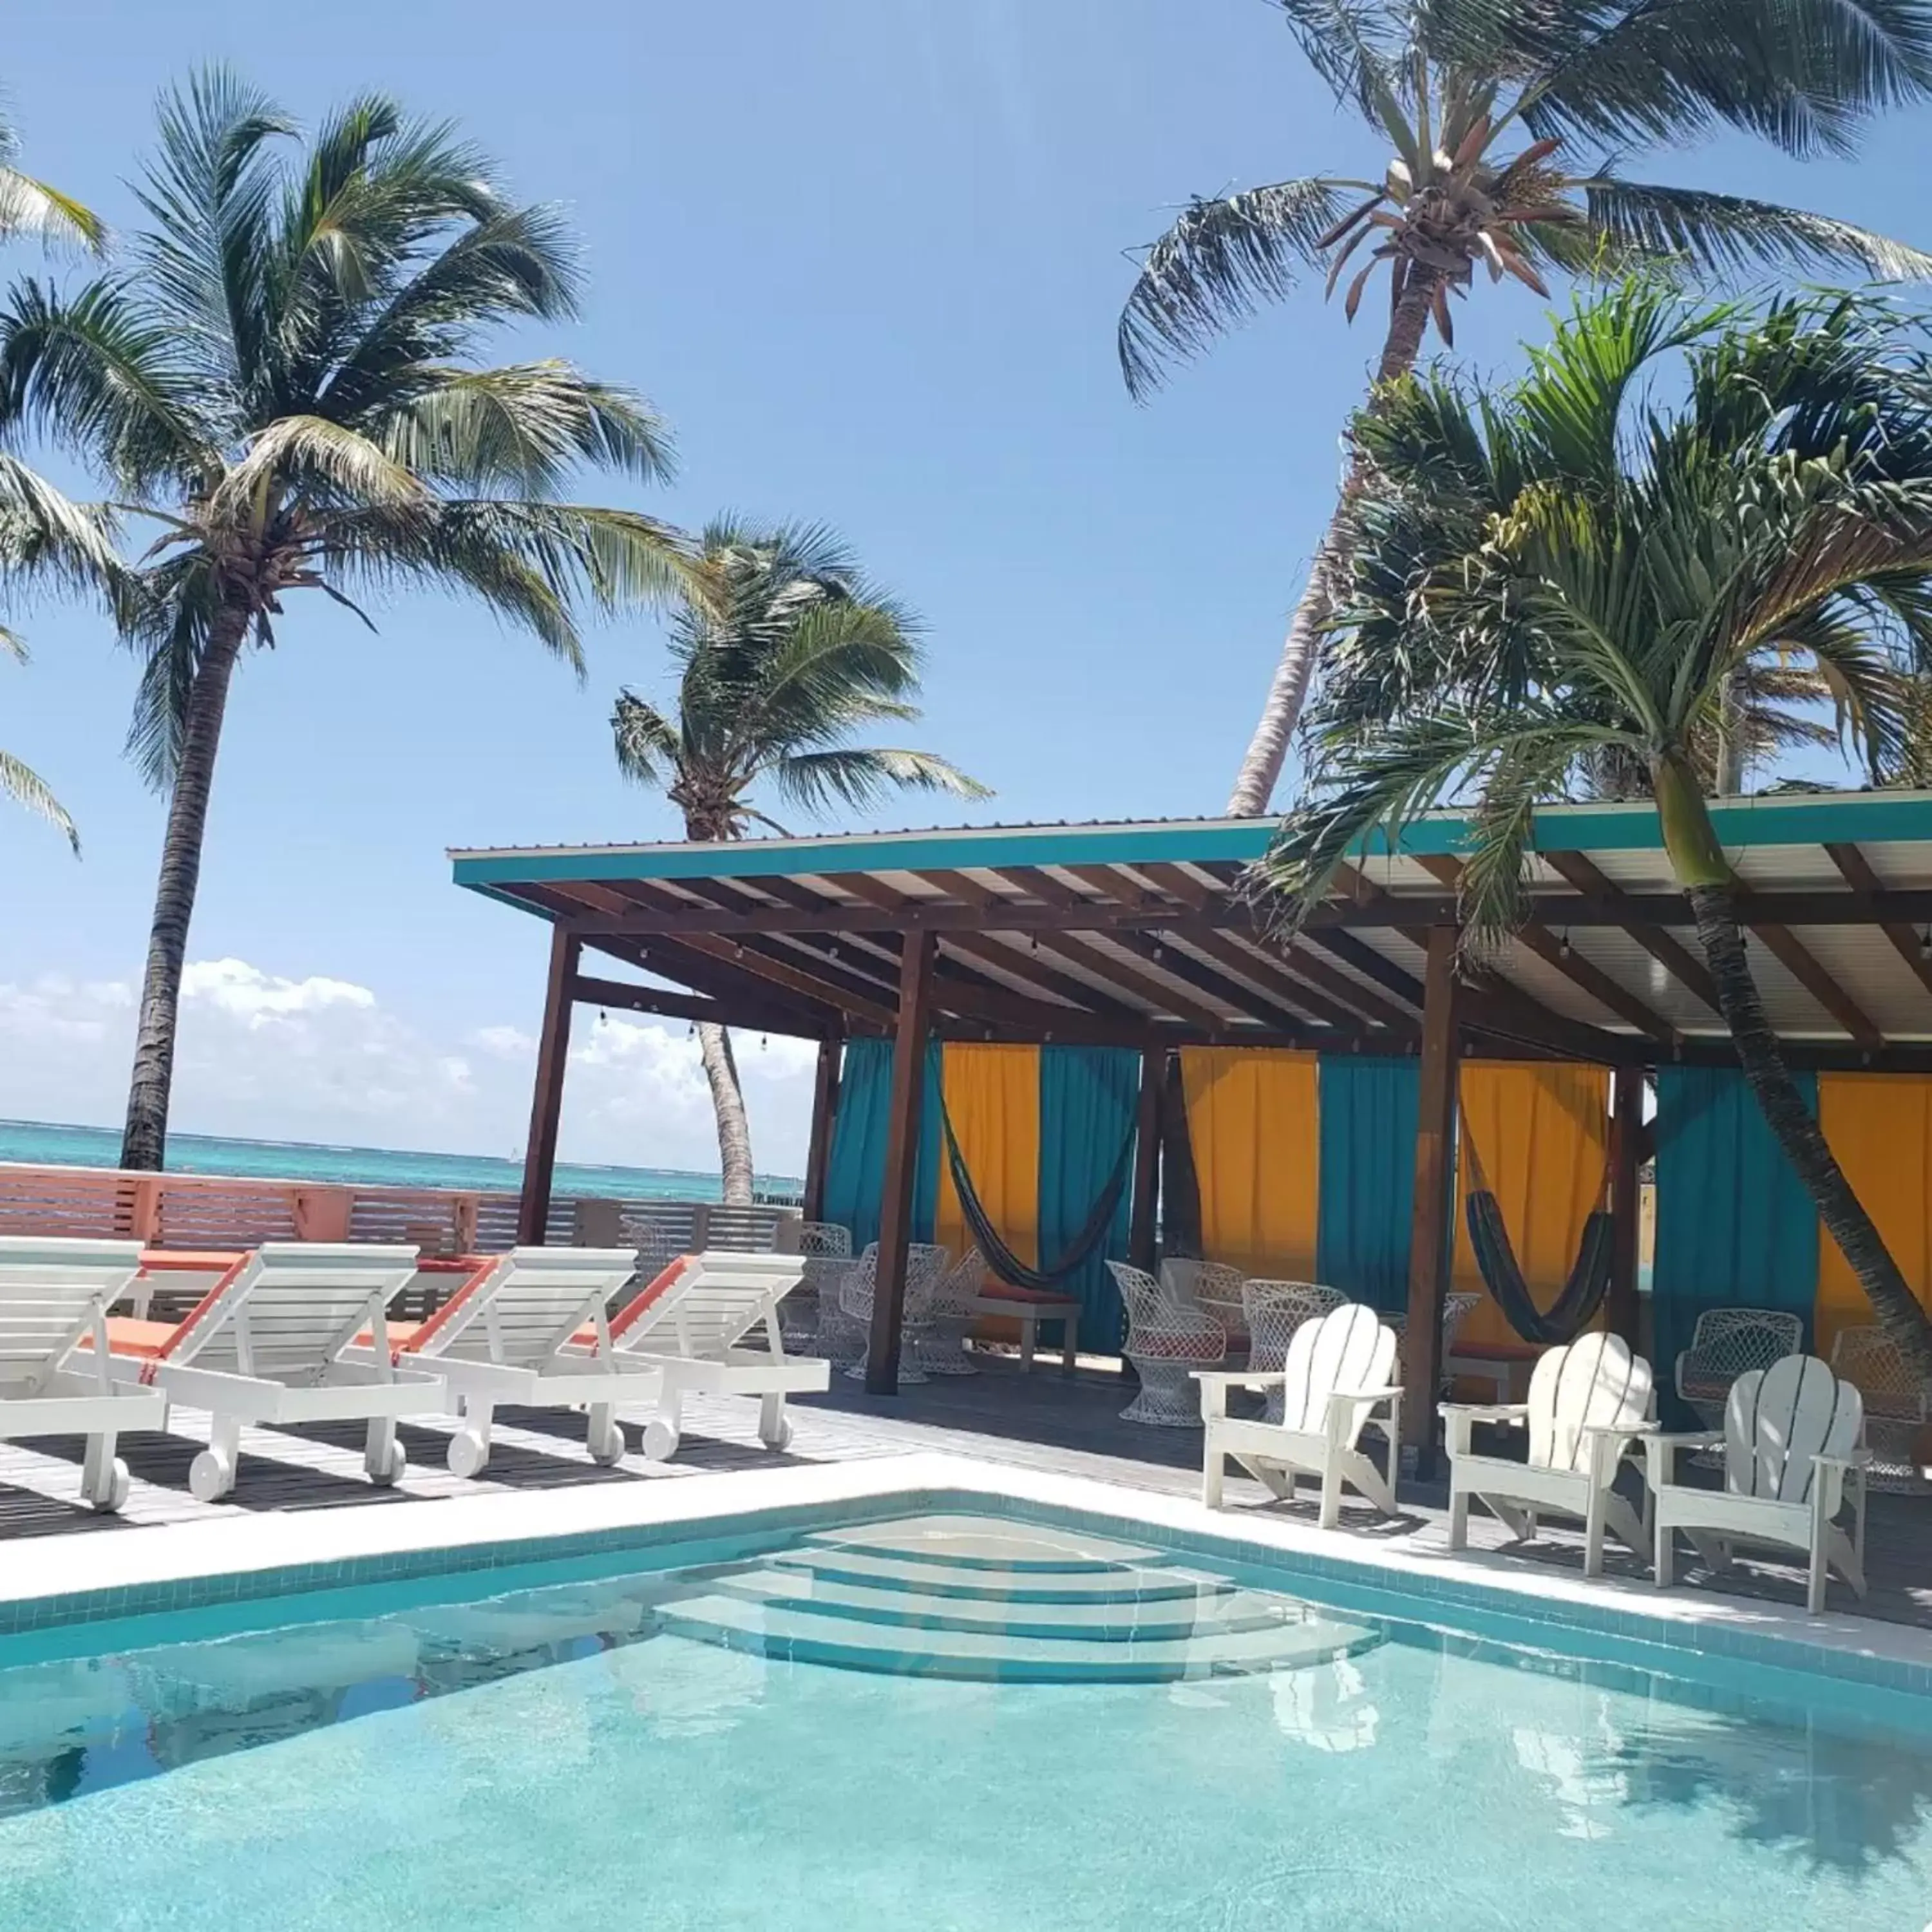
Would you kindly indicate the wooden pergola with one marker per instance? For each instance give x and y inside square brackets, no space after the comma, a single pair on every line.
[1148,935]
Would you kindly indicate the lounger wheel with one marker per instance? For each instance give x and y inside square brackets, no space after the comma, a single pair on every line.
[398,1462]
[609,1447]
[117,1489]
[659,1441]
[211,1476]
[468,1452]
[777,1437]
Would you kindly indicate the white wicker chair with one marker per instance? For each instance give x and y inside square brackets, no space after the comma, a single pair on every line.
[925,1265]
[1457,1309]
[824,1253]
[1897,1407]
[1213,1287]
[942,1349]
[840,1338]
[1726,1343]
[1275,1309]
[1166,1342]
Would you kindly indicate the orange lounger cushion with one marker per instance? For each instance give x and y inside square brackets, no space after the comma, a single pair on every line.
[126,1336]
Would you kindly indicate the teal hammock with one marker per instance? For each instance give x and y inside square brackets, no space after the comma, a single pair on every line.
[1581,1295]
[1004,1263]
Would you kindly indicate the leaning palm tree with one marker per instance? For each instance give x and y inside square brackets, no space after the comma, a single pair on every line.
[783,649]
[40,530]
[1504,118]
[1566,570]
[284,382]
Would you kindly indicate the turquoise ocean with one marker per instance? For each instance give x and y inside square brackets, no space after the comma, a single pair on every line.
[47,1143]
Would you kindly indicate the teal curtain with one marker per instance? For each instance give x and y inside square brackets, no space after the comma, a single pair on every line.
[1087,1096]
[1370,1110]
[1734,1227]
[855,1174]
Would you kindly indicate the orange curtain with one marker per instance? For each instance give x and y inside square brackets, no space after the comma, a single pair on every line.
[1539,1133]
[992,1099]
[1880,1126]
[1254,1122]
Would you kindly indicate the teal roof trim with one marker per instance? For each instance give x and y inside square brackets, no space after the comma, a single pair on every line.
[1878,817]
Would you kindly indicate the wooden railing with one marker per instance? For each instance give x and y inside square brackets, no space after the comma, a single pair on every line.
[218,1212]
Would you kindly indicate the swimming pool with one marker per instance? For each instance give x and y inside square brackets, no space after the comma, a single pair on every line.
[934,1721]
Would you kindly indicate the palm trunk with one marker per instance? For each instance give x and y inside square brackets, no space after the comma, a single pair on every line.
[721,1064]
[727,1102]
[144,1139]
[1268,750]
[1796,1129]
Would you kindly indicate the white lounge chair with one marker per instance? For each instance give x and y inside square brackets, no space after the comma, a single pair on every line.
[516,1332]
[687,1325]
[1588,1403]
[1793,1443]
[274,1342]
[1336,1381]
[55,1378]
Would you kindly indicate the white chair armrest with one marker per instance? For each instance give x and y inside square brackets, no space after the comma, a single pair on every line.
[1242,1378]
[1487,1411]
[1368,1394]
[1852,1458]
[1685,1439]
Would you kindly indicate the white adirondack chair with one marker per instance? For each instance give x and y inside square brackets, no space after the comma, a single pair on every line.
[1793,1442]
[688,1325]
[55,1378]
[1588,1403]
[1337,1381]
[274,1342]
[511,1334]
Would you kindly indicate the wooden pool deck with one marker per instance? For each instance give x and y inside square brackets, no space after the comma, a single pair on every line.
[1042,1421]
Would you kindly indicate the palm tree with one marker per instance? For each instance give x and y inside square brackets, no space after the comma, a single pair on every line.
[1485,104]
[40,529]
[1564,572]
[783,649]
[284,382]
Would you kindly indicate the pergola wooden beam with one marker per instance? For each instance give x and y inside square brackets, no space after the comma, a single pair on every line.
[1408,913]
[547,1091]
[1803,965]
[1029,966]
[1676,958]
[1856,871]
[1358,1010]
[1082,952]
[591,992]
[1580,972]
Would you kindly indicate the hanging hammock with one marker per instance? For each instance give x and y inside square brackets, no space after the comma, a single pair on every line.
[1581,1296]
[997,1256]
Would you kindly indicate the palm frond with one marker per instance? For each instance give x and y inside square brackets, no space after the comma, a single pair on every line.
[98,374]
[1805,76]
[1217,265]
[1730,235]
[31,207]
[26,787]
[526,426]
[647,743]
[859,778]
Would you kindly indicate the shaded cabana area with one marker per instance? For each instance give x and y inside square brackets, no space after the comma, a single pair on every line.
[1316,1091]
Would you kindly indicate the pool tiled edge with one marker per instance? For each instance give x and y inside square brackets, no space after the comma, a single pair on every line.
[72,1581]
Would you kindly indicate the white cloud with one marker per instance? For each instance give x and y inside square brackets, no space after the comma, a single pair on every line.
[312,1057]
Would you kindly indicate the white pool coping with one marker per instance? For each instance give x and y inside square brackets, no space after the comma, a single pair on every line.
[134,1559]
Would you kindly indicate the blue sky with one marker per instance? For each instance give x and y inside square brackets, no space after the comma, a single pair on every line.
[866,256]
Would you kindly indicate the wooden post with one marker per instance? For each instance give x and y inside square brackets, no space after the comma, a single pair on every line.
[1428,1235]
[547,1100]
[1627,1091]
[1142,1228]
[908,1095]
[818,1151]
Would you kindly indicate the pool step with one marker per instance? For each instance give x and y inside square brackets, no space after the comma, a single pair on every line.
[1220,1610]
[815,1637]
[985,1543]
[1114,1585]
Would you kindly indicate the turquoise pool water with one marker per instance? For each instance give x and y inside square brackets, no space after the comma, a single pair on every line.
[566,1757]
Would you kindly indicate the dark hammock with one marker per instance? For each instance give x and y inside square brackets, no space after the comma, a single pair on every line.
[998,1256]
[1581,1296]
